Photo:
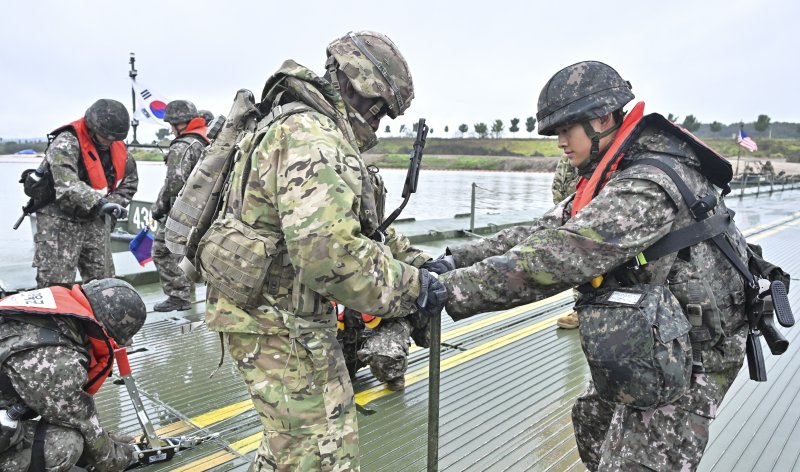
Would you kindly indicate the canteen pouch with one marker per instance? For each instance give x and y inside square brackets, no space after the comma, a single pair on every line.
[636,341]
[235,259]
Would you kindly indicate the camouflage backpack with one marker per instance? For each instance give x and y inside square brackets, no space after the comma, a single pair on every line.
[198,202]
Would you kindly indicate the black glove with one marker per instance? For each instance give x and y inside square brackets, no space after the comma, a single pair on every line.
[156,213]
[440,265]
[432,294]
[114,209]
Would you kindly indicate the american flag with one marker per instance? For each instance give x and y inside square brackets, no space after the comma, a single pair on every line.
[746,142]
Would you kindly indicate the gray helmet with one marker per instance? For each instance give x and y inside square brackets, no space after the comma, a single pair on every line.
[118,306]
[108,119]
[206,115]
[579,93]
[375,67]
[180,111]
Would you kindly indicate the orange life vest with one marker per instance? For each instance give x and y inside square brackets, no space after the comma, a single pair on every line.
[370,321]
[91,159]
[197,127]
[60,301]
[587,189]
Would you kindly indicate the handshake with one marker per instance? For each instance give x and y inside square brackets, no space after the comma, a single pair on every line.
[432,293]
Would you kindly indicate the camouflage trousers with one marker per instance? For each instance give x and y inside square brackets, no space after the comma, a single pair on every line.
[64,245]
[386,349]
[614,437]
[173,281]
[303,395]
[62,449]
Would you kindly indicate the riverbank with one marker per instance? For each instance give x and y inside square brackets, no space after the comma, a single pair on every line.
[749,165]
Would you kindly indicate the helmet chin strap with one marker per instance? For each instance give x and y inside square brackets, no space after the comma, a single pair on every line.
[596,136]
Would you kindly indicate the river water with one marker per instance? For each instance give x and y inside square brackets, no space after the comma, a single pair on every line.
[440,194]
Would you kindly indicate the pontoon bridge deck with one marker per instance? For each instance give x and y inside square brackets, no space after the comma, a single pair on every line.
[508,382]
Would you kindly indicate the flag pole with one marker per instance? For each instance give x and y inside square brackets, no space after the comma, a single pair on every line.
[739,150]
[132,74]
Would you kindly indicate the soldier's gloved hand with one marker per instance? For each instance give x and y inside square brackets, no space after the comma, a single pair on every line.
[114,209]
[156,213]
[440,265]
[432,294]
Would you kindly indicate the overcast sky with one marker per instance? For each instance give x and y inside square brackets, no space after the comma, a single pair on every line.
[472,61]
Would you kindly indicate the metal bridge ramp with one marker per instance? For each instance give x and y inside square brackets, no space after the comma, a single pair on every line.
[508,383]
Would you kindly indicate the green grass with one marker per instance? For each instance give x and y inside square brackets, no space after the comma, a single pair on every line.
[472,147]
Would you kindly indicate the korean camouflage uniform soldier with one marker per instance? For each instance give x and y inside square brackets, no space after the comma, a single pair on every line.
[50,362]
[184,153]
[565,179]
[566,248]
[94,179]
[308,192]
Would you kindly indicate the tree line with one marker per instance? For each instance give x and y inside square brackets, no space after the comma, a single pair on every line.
[763,126]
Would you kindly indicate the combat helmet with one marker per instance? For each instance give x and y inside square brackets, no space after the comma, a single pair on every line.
[108,119]
[206,115]
[180,111]
[375,68]
[118,306]
[579,93]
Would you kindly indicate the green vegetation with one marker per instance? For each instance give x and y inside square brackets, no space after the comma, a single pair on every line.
[472,147]
[147,154]
[762,123]
[10,147]
[520,149]
[460,162]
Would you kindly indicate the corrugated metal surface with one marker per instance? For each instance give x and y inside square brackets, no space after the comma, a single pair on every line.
[508,383]
[758,426]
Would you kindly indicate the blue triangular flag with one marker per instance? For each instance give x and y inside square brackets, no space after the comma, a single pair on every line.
[142,246]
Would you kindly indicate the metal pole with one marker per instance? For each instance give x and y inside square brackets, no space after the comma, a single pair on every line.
[738,155]
[132,74]
[472,210]
[434,369]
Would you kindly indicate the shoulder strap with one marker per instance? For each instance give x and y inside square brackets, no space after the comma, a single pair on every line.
[714,227]
[277,112]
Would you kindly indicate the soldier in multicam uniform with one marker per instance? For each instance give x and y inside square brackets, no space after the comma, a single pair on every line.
[589,235]
[565,181]
[94,180]
[54,355]
[385,347]
[184,152]
[309,192]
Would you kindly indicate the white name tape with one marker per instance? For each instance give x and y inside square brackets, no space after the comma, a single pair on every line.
[625,298]
[42,298]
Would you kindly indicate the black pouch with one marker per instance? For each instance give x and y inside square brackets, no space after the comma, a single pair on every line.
[636,341]
[38,185]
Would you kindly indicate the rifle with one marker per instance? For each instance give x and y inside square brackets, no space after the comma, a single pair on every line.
[26,210]
[766,299]
[410,186]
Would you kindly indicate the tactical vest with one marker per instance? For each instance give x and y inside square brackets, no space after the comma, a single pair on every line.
[248,266]
[713,315]
[71,303]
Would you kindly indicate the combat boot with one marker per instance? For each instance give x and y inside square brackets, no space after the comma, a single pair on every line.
[397,384]
[568,322]
[172,304]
